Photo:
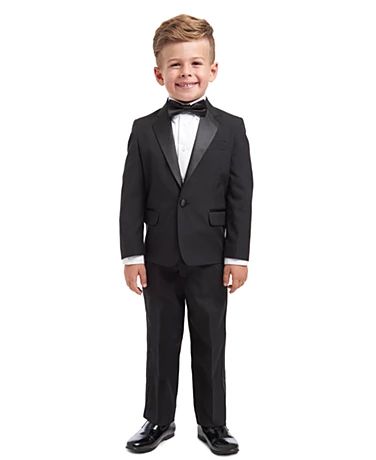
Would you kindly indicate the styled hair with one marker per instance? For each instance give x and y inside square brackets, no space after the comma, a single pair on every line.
[183,28]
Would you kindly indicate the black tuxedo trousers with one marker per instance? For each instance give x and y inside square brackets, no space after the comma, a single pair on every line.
[201,289]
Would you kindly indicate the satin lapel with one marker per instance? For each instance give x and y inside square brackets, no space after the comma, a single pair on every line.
[163,132]
[206,131]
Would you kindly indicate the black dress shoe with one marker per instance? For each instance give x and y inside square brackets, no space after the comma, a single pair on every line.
[218,439]
[150,436]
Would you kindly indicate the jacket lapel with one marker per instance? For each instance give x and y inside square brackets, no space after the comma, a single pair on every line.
[163,131]
[207,129]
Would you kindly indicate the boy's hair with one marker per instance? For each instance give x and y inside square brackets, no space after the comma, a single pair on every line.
[183,28]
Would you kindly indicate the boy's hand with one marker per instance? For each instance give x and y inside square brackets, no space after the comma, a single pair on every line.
[131,272]
[239,275]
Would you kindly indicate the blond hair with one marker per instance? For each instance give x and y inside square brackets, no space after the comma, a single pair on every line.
[183,28]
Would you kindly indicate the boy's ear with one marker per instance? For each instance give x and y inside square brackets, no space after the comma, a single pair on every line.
[158,76]
[213,71]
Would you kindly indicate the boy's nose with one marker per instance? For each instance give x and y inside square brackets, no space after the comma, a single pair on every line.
[185,71]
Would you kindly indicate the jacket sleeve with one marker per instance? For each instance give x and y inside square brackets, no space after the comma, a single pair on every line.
[239,198]
[131,217]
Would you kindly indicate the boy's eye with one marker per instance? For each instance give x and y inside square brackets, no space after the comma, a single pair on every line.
[197,63]
[174,64]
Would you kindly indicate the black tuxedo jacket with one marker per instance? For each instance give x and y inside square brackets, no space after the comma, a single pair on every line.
[205,216]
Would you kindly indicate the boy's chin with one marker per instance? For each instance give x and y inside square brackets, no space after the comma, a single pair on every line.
[185,99]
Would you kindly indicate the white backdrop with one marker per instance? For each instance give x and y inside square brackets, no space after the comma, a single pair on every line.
[301,345]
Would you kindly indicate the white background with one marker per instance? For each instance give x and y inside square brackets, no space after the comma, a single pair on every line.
[300,334]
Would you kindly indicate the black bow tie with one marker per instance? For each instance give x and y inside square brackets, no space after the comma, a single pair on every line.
[198,108]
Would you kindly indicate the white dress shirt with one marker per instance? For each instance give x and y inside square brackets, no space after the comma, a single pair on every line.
[184,129]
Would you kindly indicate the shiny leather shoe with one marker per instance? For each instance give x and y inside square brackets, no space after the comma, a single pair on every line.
[218,439]
[150,436]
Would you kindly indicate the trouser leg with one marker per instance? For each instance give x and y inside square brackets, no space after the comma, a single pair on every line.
[207,306]
[164,305]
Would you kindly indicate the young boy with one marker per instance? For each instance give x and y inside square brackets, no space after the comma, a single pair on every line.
[188,176]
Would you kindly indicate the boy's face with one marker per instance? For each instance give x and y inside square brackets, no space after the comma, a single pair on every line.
[185,69]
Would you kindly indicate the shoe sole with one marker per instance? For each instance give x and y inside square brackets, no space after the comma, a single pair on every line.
[202,438]
[143,449]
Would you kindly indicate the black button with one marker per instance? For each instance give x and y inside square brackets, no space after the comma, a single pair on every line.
[183,203]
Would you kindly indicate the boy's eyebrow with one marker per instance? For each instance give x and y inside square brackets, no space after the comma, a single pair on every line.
[176,58]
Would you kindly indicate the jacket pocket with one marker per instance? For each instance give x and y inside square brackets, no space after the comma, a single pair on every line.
[151,217]
[217,218]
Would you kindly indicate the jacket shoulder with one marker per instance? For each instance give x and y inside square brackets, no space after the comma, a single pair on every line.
[227,116]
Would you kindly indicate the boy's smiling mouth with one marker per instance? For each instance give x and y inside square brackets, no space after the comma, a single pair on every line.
[187,84]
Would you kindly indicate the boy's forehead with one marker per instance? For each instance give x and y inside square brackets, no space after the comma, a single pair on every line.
[188,49]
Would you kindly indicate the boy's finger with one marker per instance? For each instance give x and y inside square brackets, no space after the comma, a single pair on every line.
[143,277]
[236,283]
[133,286]
[137,290]
[226,275]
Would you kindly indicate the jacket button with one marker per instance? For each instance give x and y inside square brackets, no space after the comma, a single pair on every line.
[183,203]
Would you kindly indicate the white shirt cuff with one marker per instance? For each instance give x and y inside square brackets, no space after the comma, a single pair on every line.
[131,260]
[236,261]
